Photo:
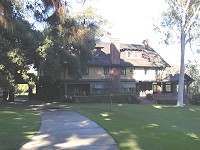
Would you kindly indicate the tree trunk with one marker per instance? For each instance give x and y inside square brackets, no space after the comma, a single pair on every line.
[5,95]
[182,72]
[110,103]
[11,95]
[30,93]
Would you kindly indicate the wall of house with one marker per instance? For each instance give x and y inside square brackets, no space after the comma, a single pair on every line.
[139,74]
[95,72]
[144,74]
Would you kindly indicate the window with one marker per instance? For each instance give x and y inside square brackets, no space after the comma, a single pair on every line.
[123,71]
[156,72]
[168,87]
[98,89]
[137,55]
[106,70]
[130,54]
[131,69]
[145,71]
[76,90]
[85,71]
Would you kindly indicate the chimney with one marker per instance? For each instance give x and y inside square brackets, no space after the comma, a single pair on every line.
[146,43]
[115,51]
[98,50]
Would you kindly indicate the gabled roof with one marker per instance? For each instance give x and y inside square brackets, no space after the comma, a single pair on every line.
[187,78]
[100,58]
[150,58]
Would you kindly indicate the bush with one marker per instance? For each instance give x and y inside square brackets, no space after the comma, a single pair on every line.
[166,102]
[196,99]
[133,99]
[116,98]
[149,96]
[100,99]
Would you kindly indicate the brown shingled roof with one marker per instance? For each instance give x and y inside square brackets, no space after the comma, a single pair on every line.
[150,58]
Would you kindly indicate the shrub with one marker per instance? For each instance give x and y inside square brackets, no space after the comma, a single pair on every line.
[196,99]
[166,102]
[133,99]
[100,99]
[116,98]
[149,96]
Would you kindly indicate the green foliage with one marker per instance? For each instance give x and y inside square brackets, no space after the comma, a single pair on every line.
[180,24]
[191,68]
[112,85]
[133,99]
[116,98]
[149,96]
[178,15]
[21,88]
[17,51]
[196,99]
[69,45]
[166,102]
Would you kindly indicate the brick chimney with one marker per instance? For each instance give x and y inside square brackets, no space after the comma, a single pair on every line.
[146,43]
[115,51]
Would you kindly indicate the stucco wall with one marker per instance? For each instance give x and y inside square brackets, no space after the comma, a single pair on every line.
[97,72]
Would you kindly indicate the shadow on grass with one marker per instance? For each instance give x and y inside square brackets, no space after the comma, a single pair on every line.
[148,127]
[18,125]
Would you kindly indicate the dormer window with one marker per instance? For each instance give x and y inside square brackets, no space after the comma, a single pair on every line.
[134,54]
[137,55]
[130,54]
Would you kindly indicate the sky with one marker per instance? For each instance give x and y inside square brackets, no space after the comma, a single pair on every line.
[132,22]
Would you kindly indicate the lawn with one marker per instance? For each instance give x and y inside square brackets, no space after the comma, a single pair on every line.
[134,127]
[147,127]
[18,124]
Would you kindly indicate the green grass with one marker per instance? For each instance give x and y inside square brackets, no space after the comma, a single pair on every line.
[134,127]
[147,127]
[18,124]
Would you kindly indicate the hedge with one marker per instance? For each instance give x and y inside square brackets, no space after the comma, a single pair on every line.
[116,98]
[167,102]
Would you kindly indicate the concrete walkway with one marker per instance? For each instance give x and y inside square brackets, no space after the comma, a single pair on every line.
[67,130]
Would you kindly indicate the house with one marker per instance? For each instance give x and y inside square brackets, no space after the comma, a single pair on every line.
[135,68]
[115,67]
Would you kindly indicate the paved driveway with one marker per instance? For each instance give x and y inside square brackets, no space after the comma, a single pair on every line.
[67,130]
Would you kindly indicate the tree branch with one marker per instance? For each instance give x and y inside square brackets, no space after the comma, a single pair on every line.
[192,20]
[187,5]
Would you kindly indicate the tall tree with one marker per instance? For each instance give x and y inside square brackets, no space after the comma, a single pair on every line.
[182,21]
[9,9]
[18,50]
[50,11]
[69,44]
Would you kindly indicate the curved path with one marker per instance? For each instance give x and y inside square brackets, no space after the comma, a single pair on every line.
[67,130]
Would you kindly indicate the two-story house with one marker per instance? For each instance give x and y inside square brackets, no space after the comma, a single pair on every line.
[138,68]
